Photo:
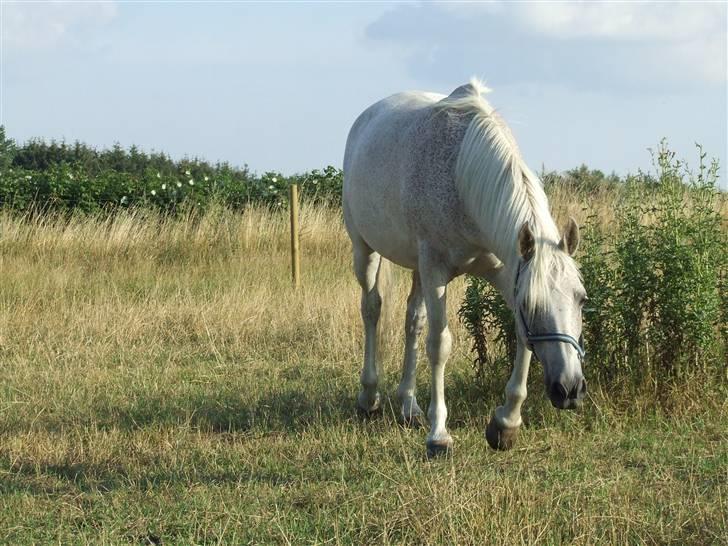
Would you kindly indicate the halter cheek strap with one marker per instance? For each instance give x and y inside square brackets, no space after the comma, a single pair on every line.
[554,336]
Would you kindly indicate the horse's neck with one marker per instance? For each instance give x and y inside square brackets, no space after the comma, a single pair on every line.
[504,280]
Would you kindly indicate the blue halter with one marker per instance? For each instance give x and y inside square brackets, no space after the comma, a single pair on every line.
[555,336]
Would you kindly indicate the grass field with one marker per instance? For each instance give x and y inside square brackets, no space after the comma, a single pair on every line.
[162,383]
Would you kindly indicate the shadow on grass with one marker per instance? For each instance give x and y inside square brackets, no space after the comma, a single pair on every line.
[286,411]
[51,479]
[45,479]
[288,406]
[228,411]
[291,407]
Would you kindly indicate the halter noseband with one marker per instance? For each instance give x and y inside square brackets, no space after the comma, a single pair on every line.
[555,336]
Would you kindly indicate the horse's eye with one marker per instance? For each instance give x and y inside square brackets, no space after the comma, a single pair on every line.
[583,301]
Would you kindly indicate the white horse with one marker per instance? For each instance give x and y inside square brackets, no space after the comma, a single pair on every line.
[436,184]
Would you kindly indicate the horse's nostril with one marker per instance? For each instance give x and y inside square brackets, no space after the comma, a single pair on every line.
[578,390]
[582,388]
[558,391]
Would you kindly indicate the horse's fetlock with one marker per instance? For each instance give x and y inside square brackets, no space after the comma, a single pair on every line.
[516,394]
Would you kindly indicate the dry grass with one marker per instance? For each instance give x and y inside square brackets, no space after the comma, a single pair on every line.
[161,380]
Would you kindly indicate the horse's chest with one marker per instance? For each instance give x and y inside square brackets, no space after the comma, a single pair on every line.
[436,216]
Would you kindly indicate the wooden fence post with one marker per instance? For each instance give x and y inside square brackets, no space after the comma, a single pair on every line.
[295,246]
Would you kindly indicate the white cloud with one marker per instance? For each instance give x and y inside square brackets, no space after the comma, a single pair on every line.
[43,25]
[690,36]
[622,21]
[638,47]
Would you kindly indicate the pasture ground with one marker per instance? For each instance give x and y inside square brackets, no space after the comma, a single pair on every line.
[162,383]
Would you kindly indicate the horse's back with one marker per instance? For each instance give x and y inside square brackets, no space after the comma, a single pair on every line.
[388,118]
[379,153]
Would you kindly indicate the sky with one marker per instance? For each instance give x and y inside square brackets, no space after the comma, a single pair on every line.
[277,86]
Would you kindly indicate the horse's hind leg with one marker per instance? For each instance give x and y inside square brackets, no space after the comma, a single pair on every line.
[411,414]
[366,268]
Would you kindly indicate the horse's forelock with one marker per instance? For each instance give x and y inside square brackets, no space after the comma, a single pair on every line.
[542,274]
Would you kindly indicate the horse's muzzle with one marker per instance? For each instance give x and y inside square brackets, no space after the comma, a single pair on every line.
[567,396]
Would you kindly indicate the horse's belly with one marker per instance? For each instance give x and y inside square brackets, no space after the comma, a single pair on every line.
[400,250]
[375,215]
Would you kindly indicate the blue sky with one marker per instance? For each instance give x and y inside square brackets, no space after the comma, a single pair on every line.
[277,86]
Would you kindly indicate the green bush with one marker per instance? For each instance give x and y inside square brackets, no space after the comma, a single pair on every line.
[656,280]
[56,176]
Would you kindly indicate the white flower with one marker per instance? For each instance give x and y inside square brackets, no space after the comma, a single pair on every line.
[70,176]
[28,177]
[187,173]
[207,178]
[164,186]
[159,175]
[274,179]
[191,182]
[124,200]
[315,182]
[154,192]
[179,184]
[271,187]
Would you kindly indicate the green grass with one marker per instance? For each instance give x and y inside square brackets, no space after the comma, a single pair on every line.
[167,385]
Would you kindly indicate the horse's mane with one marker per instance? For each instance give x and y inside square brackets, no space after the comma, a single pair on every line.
[500,193]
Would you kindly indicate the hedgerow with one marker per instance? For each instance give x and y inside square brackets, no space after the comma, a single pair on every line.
[62,177]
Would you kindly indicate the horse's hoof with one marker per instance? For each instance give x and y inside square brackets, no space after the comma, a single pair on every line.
[416,420]
[439,448]
[500,438]
[367,408]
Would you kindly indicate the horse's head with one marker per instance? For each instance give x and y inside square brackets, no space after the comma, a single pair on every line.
[548,313]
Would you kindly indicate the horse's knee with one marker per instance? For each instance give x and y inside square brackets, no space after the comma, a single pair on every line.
[371,305]
[439,343]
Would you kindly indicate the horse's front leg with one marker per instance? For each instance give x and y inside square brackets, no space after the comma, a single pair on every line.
[439,342]
[505,422]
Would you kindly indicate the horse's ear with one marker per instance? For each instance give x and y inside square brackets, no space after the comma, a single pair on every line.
[570,239]
[526,242]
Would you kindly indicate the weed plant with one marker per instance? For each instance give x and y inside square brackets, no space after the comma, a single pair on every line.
[656,279]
